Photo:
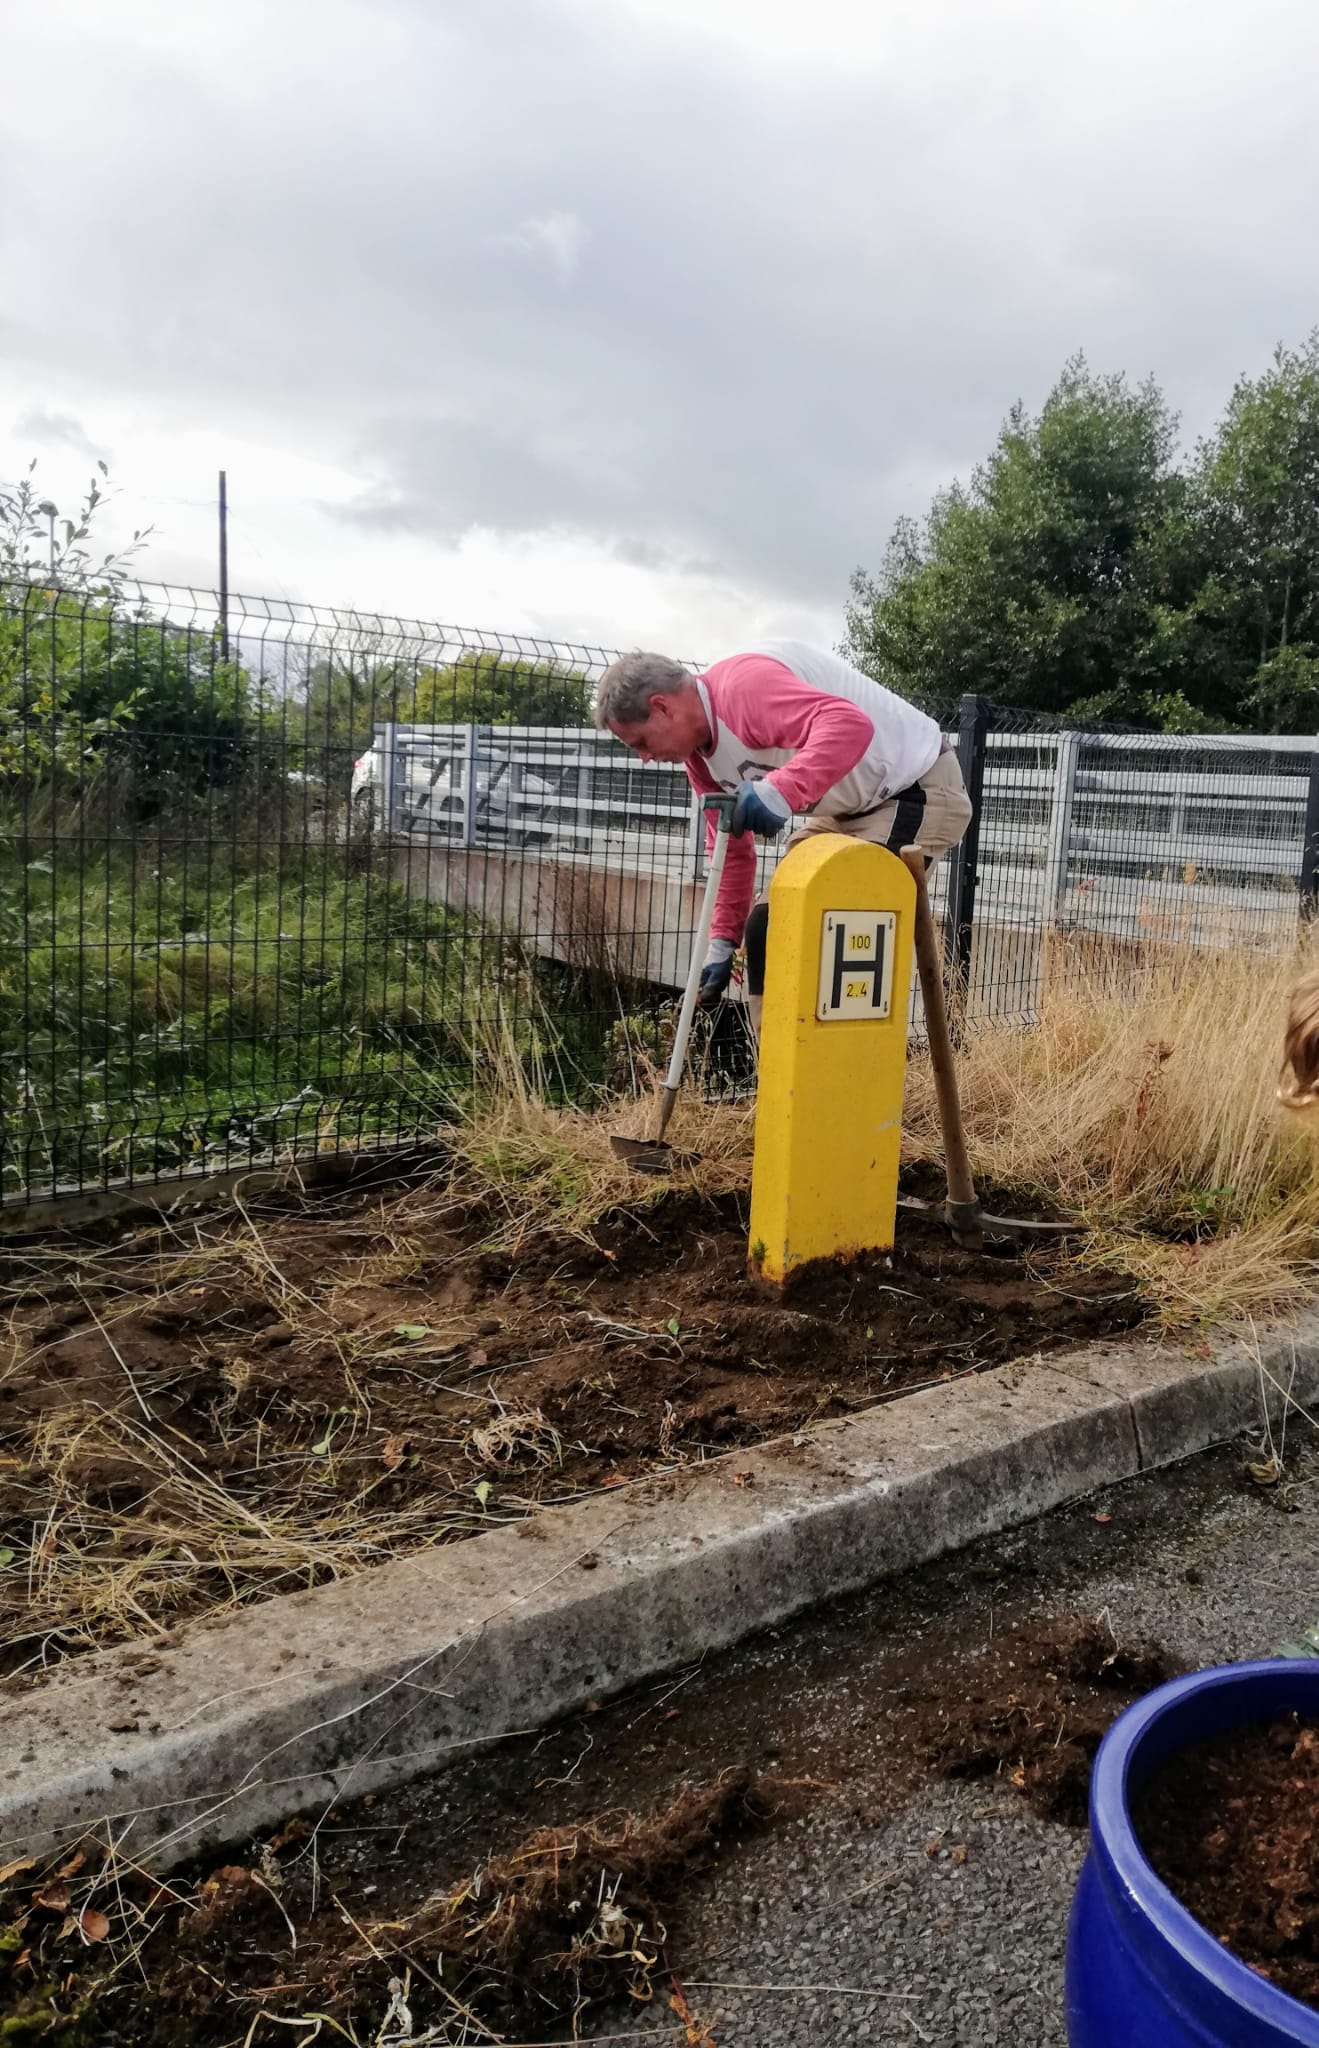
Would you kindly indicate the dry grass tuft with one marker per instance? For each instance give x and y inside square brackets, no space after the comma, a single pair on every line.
[1142,1101]
[548,1165]
[567,1916]
[96,1574]
[517,1436]
[574,1914]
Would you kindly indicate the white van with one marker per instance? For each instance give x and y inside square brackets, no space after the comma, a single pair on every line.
[428,795]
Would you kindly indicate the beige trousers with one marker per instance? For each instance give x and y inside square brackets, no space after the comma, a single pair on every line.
[933,815]
[934,826]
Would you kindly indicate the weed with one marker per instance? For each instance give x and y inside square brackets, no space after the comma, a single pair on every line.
[1141,1102]
[152,1018]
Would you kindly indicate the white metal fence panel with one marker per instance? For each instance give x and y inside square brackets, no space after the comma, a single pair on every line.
[1130,834]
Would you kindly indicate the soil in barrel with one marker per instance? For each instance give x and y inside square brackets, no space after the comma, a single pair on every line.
[1232,1828]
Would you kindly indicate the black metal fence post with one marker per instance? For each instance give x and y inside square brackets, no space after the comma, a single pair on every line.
[1310,848]
[319,892]
[975,715]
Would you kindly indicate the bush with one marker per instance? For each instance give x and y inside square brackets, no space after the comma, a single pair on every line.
[90,695]
[149,1018]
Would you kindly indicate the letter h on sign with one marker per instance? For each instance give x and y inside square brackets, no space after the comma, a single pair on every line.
[856,965]
[842,966]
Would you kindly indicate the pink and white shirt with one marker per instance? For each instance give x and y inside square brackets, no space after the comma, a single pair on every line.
[827,738]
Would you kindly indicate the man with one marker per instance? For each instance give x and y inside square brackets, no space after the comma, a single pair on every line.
[791,731]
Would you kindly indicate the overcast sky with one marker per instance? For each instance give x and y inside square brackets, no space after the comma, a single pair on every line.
[631,320]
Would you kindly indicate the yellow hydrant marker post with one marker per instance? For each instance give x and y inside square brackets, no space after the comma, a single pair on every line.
[833,1055]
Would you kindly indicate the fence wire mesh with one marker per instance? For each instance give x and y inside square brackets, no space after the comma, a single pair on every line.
[1096,844]
[292,877]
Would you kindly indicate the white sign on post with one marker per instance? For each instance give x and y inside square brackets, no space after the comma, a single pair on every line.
[856,964]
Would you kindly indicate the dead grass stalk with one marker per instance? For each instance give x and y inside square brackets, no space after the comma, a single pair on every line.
[1142,1101]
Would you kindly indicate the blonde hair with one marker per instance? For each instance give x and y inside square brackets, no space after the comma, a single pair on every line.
[1298,1085]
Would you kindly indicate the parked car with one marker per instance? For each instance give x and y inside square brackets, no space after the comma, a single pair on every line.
[428,797]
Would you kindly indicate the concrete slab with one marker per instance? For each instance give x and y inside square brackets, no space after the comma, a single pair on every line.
[235,1723]
[1184,1397]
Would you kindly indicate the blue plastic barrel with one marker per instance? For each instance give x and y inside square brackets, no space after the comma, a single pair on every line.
[1141,1972]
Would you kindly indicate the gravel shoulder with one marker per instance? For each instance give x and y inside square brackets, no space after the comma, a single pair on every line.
[872,1899]
[942,1917]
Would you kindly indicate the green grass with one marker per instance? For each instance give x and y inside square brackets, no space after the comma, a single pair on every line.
[151,1019]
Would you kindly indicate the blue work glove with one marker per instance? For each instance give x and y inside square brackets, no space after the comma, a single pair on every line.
[716,973]
[760,809]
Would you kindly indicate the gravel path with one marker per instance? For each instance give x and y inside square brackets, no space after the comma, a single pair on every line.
[945,1921]
[940,1926]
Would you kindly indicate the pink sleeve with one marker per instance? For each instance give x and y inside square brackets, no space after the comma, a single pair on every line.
[738,883]
[775,708]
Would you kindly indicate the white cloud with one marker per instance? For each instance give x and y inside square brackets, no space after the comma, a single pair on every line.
[288,539]
[828,245]
[41,427]
[558,236]
[842,33]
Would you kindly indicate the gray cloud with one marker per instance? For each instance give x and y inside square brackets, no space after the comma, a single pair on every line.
[46,428]
[537,271]
[556,237]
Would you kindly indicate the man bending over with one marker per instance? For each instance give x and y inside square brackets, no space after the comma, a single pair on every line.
[796,734]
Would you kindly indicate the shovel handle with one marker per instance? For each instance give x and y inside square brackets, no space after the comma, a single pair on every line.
[723,808]
[961,1187]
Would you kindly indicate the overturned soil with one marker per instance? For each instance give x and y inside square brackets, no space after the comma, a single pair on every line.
[1035,1707]
[531,1901]
[185,1427]
[1231,1828]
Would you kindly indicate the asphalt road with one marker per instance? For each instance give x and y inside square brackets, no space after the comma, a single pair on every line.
[908,1945]
[936,1912]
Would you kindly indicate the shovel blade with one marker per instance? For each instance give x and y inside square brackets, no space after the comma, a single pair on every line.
[996,1226]
[651,1155]
[1030,1226]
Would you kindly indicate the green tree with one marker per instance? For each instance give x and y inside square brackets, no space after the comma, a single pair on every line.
[348,695]
[177,722]
[32,550]
[1082,573]
[483,686]
[1034,583]
[1257,481]
[43,617]
[93,688]
[343,700]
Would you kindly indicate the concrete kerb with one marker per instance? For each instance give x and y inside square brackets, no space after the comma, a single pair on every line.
[234,1723]
[1179,1408]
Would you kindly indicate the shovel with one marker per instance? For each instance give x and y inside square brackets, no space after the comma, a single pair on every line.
[962,1212]
[652,1155]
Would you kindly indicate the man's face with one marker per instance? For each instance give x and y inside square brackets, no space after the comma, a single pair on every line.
[674,728]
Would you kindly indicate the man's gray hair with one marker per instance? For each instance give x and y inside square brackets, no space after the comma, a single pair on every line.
[628,684]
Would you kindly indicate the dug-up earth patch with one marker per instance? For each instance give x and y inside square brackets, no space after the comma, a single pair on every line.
[195,1418]
[533,1907]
